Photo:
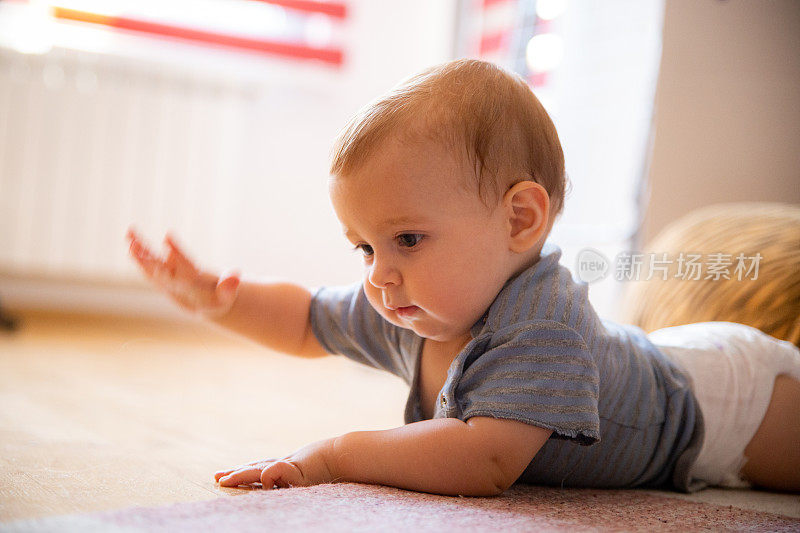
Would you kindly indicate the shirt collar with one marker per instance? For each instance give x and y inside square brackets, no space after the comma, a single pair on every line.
[514,288]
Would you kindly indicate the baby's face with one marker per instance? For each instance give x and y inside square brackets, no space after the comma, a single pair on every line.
[434,256]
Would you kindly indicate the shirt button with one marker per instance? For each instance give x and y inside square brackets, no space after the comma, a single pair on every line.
[443,401]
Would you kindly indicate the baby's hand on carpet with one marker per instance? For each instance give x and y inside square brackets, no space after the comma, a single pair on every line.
[196,291]
[310,465]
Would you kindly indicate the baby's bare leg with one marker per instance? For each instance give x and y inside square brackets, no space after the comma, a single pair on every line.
[774,451]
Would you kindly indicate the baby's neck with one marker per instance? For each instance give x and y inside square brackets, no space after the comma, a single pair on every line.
[525,261]
[452,345]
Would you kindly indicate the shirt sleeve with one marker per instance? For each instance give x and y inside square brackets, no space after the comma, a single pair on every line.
[541,373]
[345,323]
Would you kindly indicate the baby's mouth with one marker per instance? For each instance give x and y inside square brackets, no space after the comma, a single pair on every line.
[406,312]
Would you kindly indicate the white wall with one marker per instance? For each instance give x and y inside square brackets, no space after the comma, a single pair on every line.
[728,107]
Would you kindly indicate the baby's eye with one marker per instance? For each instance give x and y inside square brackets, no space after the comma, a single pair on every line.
[366,249]
[409,240]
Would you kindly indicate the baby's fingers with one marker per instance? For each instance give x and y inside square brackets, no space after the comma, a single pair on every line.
[175,273]
[146,259]
[244,476]
[221,473]
[260,464]
[177,260]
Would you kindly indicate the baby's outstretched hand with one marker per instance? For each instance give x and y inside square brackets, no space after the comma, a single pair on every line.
[194,290]
[310,465]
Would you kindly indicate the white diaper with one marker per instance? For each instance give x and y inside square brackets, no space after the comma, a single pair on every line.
[733,369]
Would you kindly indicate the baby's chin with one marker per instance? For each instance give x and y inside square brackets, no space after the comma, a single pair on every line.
[420,322]
[424,329]
[415,324]
[393,318]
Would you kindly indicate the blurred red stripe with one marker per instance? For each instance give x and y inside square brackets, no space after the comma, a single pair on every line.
[328,55]
[332,9]
[490,3]
[494,41]
[538,79]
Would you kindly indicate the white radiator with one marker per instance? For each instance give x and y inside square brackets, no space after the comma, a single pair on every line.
[89,144]
[227,149]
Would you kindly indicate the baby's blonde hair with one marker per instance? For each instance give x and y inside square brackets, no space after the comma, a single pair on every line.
[489,113]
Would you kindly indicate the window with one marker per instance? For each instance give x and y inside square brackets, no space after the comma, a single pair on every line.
[292,29]
[594,67]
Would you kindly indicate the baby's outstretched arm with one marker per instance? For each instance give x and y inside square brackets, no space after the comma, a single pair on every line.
[480,457]
[274,314]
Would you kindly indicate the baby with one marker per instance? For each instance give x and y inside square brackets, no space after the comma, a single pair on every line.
[449,186]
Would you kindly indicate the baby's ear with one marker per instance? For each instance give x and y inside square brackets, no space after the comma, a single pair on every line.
[528,206]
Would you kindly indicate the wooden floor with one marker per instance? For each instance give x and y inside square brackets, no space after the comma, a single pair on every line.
[99,413]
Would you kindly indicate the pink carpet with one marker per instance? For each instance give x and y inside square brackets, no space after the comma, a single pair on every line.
[349,507]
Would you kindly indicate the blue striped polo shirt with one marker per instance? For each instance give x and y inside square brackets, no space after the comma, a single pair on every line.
[622,414]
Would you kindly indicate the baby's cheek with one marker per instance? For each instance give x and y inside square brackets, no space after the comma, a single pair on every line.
[376,301]
[466,303]
[373,296]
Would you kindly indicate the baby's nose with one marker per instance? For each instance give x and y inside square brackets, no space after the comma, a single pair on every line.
[383,275]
